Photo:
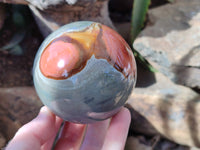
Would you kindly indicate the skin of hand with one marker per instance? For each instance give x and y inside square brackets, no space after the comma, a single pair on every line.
[40,133]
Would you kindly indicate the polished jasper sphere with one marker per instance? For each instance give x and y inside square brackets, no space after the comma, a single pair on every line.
[84,72]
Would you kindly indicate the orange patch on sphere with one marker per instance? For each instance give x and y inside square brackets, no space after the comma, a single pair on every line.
[118,50]
[58,59]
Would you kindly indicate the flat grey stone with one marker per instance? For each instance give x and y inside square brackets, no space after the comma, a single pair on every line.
[171,109]
[173,41]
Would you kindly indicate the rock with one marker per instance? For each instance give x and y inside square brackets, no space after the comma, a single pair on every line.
[21,2]
[18,106]
[152,143]
[187,75]
[173,110]
[45,4]
[51,18]
[172,42]
[194,148]
[139,122]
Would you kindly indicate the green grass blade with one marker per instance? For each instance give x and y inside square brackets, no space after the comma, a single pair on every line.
[16,39]
[140,8]
[144,62]
[171,1]
[16,50]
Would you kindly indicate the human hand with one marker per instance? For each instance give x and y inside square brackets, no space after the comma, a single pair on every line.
[40,133]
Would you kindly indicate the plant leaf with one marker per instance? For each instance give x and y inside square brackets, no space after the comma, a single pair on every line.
[18,16]
[18,19]
[140,8]
[143,61]
[16,50]
[16,39]
[171,1]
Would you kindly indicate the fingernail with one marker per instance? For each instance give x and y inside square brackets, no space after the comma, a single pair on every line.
[45,111]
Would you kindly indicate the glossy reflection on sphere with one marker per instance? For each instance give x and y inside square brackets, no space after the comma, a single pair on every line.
[84,72]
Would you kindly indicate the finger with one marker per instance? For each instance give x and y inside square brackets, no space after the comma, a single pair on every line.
[49,144]
[35,133]
[72,136]
[118,131]
[95,134]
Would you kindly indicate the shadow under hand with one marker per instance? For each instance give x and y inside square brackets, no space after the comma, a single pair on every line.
[140,124]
